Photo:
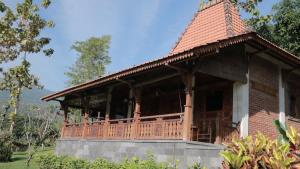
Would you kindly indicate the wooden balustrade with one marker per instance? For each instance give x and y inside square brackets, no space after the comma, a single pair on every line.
[167,126]
[161,127]
[95,130]
[120,129]
[73,130]
[215,128]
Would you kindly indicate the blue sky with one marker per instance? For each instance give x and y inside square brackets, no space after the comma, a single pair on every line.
[141,30]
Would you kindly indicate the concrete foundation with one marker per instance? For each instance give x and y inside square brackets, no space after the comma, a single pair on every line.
[183,153]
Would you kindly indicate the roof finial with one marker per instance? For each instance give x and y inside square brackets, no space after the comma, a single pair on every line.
[202,4]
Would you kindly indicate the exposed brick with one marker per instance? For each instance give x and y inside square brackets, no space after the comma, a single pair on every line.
[263,107]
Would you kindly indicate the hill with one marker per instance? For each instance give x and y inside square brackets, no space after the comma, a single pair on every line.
[28,97]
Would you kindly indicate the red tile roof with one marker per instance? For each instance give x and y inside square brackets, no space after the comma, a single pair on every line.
[217,20]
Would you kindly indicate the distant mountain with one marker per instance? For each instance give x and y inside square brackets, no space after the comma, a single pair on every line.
[28,97]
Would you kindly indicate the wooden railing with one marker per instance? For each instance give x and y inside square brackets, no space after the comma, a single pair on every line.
[95,129]
[161,127]
[215,130]
[120,129]
[167,126]
[73,130]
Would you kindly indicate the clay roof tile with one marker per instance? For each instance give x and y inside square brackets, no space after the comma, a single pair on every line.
[215,20]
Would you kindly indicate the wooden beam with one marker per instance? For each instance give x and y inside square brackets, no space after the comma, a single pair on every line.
[155,80]
[125,82]
[198,65]
[258,52]
[179,69]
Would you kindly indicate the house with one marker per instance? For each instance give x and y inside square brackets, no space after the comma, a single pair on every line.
[220,79]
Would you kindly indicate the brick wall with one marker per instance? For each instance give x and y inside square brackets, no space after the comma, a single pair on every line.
[263,100]
[295,124]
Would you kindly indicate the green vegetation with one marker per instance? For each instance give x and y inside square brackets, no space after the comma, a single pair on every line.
[19,159]
[93,57]
[18,162]
[262,152]
[20,34]
[50,161]
[5,147]
[281,26]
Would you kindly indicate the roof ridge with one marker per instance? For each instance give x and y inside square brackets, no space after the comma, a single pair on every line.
[228,18]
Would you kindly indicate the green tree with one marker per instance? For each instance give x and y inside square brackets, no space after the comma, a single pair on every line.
[282,26]
[20,36]
[93,57]
[286,27]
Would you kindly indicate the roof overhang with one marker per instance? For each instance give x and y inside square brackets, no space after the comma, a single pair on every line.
[199,51]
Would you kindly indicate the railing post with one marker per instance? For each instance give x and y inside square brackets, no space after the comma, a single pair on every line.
[159,121]
[107,112]
[187,119]
[137,113]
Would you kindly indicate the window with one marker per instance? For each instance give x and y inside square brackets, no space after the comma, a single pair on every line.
[214,101]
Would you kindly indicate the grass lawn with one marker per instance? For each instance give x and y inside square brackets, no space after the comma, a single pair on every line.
[19,161]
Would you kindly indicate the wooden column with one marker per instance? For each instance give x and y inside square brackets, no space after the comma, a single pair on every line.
[187,121]
[218,131]
[65,108]
[137,112]
[129,112]
[107,112]
[85,116]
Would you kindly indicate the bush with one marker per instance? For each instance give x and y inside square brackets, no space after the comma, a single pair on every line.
[5,147]
[262,152]
[51,161]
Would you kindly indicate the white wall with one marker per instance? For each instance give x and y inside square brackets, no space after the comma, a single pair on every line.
[241,106]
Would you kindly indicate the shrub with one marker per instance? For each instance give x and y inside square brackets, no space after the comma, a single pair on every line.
[105,164]
[262,152]
[51,161]
[258,152]
[5,147]
[148,163]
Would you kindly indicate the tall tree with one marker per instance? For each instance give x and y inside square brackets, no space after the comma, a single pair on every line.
[93,57]
[286,25]
[20,36]
[283,28]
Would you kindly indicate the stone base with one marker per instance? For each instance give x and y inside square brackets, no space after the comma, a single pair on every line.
[185,153]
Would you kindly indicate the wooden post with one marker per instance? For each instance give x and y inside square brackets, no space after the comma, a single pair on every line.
[65,108]
[137,112]
[129,112]
[218,131]
[85,116]
[107,112]
[187,119]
